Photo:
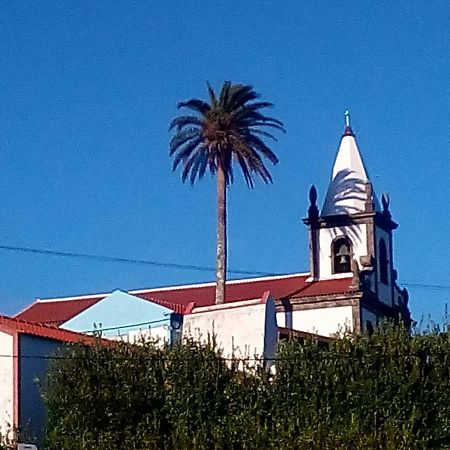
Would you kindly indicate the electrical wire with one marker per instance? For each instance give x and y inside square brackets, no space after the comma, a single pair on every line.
[171,265]
[116,259]
[127,326]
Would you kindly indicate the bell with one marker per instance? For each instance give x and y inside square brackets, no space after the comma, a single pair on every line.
[343,259]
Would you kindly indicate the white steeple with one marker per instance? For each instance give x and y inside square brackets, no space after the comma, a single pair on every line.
[349,187]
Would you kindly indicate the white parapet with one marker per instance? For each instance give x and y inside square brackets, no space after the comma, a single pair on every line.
[243,330]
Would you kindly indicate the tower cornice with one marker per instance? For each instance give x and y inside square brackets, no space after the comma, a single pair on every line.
[380,219]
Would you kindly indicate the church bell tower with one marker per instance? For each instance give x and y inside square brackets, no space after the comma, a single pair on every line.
[352,235]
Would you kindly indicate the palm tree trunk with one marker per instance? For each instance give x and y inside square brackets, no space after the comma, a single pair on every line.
[221,259]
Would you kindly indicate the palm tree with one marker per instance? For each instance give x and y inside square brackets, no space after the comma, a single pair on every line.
[230,128]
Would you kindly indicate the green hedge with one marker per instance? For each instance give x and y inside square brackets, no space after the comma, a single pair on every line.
[387,391]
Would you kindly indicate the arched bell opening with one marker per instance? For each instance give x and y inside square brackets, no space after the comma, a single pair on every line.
[341,251]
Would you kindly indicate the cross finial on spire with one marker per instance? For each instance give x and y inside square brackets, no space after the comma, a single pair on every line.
[348,129]
[347,118]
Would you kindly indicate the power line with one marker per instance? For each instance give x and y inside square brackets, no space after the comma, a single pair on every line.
[171,265]
[116,259]
[140,324]
[436,287]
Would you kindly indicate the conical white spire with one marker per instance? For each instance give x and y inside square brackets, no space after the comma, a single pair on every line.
[348,189]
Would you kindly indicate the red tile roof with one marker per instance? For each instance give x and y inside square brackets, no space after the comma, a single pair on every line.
[44,331]
[177,298]
[58,311]
[279,287]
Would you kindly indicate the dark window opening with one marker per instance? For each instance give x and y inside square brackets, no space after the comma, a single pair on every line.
[341,251]
[383,262]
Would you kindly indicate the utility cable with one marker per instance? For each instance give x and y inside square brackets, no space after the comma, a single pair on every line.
[141,324]
[115,259]
[171,265]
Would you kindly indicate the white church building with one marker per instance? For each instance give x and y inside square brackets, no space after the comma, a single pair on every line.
[351,284]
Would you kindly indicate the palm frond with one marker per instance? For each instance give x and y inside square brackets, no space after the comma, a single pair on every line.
[257,165]
[185,152]
[255,106]
[182,121]
[245,170]
[201,160]
[225,94]
[247,116]
[203,166]
[264,174]
[262,147]
[253,160]
[266,134]
[196,105]
[257,123]
[187,165]
[212,95]
[241,96]
[182,137]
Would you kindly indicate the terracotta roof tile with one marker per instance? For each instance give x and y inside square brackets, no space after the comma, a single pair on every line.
[295,286]
[56,312]
[177,298]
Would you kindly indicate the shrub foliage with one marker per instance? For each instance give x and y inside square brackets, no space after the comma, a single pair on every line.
[385,391]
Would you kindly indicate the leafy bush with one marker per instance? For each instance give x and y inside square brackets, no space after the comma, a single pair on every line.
[385,391]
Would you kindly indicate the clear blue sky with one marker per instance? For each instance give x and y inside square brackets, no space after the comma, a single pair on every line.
[88,88]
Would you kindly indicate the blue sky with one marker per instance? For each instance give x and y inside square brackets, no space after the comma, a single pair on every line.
[87,92]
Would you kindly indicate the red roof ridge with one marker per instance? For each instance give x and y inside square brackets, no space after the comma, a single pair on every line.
[74,297]
[25,309]
[176,307]
[60,299]
[212,283]
[164,288]
[313,282]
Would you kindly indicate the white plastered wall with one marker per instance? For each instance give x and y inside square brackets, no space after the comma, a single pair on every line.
[244,331]
[282,320]
[6,383]
[357,234]
[323,321]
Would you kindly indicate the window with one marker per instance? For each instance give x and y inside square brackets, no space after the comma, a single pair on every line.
[341,251]
[383,262]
